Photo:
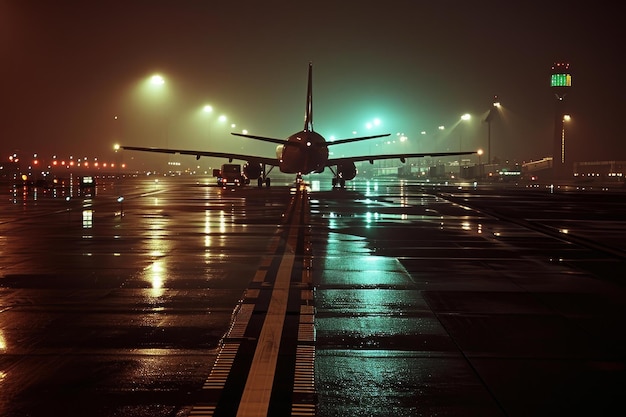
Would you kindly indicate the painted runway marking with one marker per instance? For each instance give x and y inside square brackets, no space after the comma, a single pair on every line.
[256,395]
[293,273]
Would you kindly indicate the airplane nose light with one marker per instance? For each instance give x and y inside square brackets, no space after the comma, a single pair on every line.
[308,144]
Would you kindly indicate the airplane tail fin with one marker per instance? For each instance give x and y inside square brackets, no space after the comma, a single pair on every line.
[308,116]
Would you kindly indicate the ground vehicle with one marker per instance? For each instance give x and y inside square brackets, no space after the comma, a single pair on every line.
[88,184]
[230,175]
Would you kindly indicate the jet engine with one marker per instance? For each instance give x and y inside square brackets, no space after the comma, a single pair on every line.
[346,171]
[252,169]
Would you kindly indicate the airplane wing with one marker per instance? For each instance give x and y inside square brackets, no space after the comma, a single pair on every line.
[341,141]
[198,154]
[401,156]
[287,143]
[263,138]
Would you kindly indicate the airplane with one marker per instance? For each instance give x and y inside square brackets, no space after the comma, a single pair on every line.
[302,153]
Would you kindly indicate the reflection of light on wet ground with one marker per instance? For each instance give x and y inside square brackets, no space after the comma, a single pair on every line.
[371,217]
[87,215]
[158,242]
[222,221]
[332,222]
[314,203]
[207,229]
[152,352]
[87,219]
[207,235]
[341,243]
[3,343]
[155,275]
[371,187]
[207,221]
[158,247]
[361,312]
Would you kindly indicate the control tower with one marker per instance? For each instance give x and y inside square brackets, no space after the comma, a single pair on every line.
[560,82]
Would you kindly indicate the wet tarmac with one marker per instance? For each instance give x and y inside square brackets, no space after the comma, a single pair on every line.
[429,300]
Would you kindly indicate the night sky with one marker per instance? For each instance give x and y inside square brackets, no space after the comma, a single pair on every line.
[74,74]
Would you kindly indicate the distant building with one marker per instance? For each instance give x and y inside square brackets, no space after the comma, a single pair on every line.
[534,170]
[600,171]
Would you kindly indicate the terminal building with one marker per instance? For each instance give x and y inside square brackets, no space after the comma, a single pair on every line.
[600,171]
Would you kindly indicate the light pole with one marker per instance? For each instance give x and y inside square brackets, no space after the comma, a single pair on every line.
[116,149]
[560,83]
[566,118]
[494,107]
[480,165]
[158,81]
[158,87]
[464,118]
[208,110]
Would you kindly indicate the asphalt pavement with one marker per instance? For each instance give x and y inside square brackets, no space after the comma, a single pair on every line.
[404,299]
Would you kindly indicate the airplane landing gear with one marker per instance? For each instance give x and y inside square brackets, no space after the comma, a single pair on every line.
[339,182]
[261,181]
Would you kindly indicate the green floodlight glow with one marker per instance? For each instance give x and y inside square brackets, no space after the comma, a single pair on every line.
[207,109]
[466,116]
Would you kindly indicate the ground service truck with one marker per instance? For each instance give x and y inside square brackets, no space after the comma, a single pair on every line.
[230,175]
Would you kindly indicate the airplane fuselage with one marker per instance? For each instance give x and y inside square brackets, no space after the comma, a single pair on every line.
[303,153]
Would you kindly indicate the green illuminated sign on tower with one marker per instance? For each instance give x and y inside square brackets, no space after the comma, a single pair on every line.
[561,80]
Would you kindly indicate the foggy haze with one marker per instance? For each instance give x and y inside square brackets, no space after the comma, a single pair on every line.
[75,73]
